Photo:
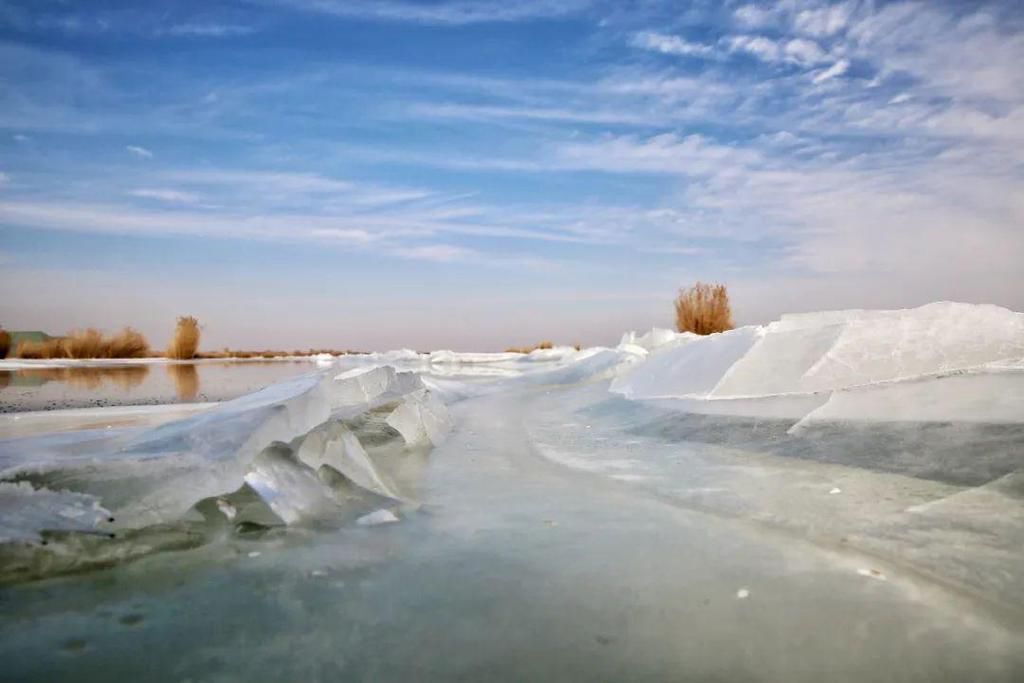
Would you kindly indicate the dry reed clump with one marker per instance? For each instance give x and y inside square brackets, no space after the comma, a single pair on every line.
[88,343]
[185,342]
[127,343]
[703,309]
[5,343]
[528,349]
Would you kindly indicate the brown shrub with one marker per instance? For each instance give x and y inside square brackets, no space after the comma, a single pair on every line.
[5,343]
[127,343]
[703,309]
[88,343]
[185,342]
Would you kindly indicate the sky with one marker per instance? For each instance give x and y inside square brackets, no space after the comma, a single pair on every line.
[477,174]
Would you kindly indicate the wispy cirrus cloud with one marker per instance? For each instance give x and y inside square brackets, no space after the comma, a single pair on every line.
[209,30]
[140,152]
[669,44]
[438,253]
[453,12]
[166,195]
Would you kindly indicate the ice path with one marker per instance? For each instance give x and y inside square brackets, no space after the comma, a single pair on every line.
[519,568]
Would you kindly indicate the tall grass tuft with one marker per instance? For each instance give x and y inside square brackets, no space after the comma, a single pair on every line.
[185,342]
[127,343]
[5,343]
[88,343]
[703,309]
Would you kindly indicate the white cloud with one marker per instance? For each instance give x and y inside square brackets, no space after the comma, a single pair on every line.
[4,178]
[665,153]
[804,52]
[485,112]
[799,51]
[823,21]
[18,137]
[118,219]
[962,56]
[764,49]
[439,253]
[669,45]
[455,12]
[752,16]
[209,30]
[166,195]
[140,152]
[837,69]
[264,181]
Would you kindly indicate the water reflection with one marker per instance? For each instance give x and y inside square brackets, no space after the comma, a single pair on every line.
[125,377]
[186,380]
[33,387]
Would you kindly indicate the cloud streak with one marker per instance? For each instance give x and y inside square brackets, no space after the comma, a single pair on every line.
[140,152]
[452,13]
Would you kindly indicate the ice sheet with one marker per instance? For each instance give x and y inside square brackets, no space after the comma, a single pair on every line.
[863,365]
[935,394]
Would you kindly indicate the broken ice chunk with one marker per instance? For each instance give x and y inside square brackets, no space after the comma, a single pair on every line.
[370,387]
[421,418]
[335,446]
[26,511]
[291,489]
[377,517]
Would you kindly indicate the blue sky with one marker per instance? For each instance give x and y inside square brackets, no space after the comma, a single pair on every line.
[476,174]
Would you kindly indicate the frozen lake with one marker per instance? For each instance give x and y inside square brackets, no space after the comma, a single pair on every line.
[112,383]
[504,517]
